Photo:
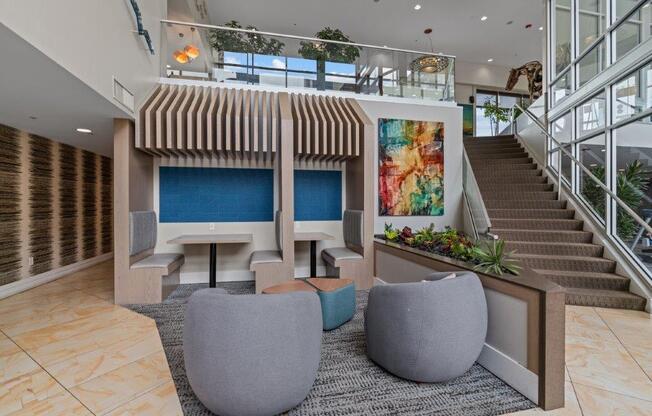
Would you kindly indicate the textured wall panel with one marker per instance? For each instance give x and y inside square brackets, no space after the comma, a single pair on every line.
[40,204]
[9,204]
[317,195]
[68,201]
[89,188]
[106,183]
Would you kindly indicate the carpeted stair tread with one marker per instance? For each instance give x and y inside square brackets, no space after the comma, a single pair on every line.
[520,196]
[500,187]
[555,249]
[531,213]
[493,150]
[503,161]
[567,263]
[604,298]
[586,280]
[512,180]
[537,224]
[523,204]
[544,236]
[485,156]
[522,168]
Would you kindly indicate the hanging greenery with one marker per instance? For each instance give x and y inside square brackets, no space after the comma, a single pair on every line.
[226,40]
[631,184]
[324,51]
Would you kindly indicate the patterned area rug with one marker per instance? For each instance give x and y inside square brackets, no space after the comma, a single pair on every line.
[348,383]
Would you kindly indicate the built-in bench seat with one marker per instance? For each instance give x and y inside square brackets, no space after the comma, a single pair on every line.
[161,268]
[267,264]
[265,256]
[340,261]
[167,262]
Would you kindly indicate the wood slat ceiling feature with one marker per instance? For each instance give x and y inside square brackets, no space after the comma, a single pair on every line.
[325,128]
[195,121]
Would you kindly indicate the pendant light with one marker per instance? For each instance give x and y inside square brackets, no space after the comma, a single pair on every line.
[430,63]
[191,50]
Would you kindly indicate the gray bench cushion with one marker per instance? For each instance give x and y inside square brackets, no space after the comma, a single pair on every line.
[265,256]
[161,260]
[142,231]
[352,224]
[333,254]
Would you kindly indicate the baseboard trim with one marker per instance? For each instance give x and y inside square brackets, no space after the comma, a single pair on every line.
[520,378]
[27,283]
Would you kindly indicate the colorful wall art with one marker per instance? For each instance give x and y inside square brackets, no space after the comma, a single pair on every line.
[410,168]
[467,120]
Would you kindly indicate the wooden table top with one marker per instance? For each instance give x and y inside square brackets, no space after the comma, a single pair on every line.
[328,284]
[312,236]
[212,238]
[289,286]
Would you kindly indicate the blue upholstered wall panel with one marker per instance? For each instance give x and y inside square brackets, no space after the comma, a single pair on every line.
[317,195]
[216,195]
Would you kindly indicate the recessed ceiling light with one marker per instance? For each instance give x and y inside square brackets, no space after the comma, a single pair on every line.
[85,131]
[417,7]
[483,18]
[168,66]
[540,27]
[490,60]
[603,150]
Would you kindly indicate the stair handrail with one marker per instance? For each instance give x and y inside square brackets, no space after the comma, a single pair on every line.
[586,170]
[470,187]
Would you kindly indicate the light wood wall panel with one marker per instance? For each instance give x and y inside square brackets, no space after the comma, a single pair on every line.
[325,128]
[42,214]
[194,121]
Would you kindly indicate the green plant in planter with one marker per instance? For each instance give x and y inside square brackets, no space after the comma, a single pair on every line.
[631,184]
[391,233]
[326,51]
[492,258]
[495,114]
[226,40]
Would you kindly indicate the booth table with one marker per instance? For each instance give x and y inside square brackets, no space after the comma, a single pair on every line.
[313,237]
[212,240]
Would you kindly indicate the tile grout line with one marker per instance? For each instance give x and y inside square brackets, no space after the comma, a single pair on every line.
[613,392]
[625,347]
[49,374]
[577,397]
[138,396]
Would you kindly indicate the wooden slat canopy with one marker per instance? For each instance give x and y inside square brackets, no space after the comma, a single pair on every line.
[325,128]
[187,121]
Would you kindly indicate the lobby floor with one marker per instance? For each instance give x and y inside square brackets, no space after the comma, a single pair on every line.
[65,349]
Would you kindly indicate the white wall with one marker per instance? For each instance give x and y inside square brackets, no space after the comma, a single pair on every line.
[451,116]
[93,39]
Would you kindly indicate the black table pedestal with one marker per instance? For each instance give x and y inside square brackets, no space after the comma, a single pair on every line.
[313,258]
[212,266]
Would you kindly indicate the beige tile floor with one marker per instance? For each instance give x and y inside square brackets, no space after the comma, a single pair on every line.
[66,349]
[608,363]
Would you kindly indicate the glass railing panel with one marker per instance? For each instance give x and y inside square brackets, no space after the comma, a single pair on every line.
[561,131]
[592,63]
[632,177]
[561,89]
[471,188]
[632,94]
[633,31]
[591,115]
[592,155]
[257,58]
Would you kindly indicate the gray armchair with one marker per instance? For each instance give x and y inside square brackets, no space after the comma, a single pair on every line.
[429,331]
[252,354]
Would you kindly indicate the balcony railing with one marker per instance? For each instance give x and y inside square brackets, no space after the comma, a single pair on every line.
[252,57]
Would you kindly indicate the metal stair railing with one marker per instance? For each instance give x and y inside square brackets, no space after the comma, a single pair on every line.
[561,150]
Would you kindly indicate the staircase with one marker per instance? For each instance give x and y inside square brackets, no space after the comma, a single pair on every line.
[525,212]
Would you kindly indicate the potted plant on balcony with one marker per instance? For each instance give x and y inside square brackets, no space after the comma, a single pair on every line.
[225,40]
[326,51]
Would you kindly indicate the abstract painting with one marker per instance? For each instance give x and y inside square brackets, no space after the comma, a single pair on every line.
[467,120]
[410,168]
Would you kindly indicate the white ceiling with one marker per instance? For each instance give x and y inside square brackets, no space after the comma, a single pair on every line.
[456,24]
[32,85]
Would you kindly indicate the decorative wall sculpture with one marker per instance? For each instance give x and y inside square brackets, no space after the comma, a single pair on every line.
[410,168]
[57,205]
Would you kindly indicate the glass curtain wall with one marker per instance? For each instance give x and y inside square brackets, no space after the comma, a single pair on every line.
[609,133]
[505,100]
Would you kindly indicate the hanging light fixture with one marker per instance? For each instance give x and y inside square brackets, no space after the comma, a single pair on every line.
[181,57]
[430,63]
[191,50]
